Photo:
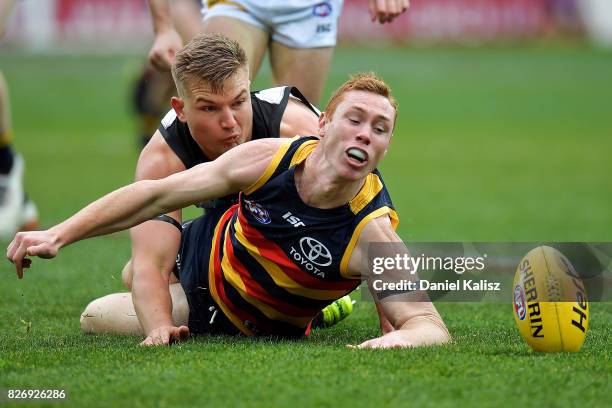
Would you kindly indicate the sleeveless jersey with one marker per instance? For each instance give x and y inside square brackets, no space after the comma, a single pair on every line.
[276,262]
[268,109]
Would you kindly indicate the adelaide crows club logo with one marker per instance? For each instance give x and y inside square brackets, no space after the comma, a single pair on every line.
[257,211]
[315,251]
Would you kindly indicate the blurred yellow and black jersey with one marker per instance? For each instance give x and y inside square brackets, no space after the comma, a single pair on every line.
[275,262]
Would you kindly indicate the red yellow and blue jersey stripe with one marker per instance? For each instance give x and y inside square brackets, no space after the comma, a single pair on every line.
[276,262]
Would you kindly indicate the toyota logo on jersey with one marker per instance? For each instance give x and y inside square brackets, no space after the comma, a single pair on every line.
[315,251]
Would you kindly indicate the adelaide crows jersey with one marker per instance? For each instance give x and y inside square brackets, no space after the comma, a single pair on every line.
[268,109]
[276,262]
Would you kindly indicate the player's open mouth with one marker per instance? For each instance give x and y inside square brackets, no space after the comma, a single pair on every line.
[357,155]
[233,138]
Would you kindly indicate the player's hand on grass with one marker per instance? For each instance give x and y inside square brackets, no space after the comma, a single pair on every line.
[165,46]
[44,244]
[166,335]
[385,11]
[394,339]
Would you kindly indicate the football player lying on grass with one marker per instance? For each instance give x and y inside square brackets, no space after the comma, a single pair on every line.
[307,212]
[214,111]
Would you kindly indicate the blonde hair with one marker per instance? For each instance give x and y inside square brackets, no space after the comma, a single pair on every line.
[367,82]
[209,59]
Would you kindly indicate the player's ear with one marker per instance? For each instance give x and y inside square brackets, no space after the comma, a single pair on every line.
[322,124]
[178,104]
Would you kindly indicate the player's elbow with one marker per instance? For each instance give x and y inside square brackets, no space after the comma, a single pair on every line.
[157,196]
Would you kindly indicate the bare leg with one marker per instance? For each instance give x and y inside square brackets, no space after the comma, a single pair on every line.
[305,68]
[150,95]
[153,89]
[5,112]
[187,18]
[252,39]
[17,211]
[115,313]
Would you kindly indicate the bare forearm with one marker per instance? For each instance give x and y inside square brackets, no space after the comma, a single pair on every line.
[152,300]
[145,199]
[161,15]
[116,211]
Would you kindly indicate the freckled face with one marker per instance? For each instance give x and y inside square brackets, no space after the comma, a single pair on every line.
[357,136]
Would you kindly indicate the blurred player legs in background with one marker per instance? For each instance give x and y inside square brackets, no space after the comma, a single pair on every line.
[300,35]
[154,88]
[296,33]
[150,95]
[17,211]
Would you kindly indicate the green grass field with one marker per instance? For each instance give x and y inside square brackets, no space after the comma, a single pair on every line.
[507,144]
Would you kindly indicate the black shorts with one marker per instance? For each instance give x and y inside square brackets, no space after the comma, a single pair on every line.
[191,268]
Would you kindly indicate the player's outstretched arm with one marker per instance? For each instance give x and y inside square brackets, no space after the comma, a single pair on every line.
[140,201]
[415,320]
[385,11]
[167,40]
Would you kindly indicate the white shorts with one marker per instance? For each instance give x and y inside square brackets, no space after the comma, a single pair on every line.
[294,23]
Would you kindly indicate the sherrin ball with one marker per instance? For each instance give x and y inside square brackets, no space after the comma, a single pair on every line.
[551,309]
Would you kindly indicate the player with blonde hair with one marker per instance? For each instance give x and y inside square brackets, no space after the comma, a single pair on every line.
[262,272]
